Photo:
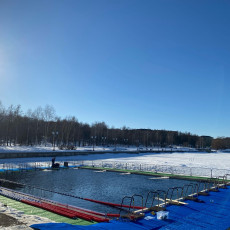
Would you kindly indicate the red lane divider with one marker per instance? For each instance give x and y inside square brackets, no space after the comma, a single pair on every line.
[73,208]
[63,209]
[113,215]
[112,204]
[36,204]
[67,212]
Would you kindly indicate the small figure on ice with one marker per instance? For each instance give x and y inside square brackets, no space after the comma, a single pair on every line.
[54,165]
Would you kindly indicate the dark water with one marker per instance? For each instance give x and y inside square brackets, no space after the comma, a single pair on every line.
[103,186]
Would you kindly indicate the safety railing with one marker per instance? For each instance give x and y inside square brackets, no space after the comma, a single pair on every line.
[167,169]
[121,165]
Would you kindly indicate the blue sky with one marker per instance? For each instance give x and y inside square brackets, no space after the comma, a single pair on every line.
[158,64]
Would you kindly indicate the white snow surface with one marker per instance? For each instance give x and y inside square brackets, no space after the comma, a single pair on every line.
[199,163]
[204,160]
[219,160]
[48,148]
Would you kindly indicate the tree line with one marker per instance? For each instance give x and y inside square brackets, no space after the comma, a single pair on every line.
[221,143]
[42,126]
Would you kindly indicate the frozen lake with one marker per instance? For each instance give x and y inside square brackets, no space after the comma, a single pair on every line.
[202,160]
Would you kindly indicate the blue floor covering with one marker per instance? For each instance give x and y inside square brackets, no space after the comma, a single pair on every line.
[213,214]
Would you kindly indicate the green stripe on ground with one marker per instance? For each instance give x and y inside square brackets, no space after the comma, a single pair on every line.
[31,210]
[173,176]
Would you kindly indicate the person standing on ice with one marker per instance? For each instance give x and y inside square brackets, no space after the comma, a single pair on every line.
[53,161]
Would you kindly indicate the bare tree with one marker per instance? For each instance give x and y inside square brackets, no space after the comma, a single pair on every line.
[37,115]
[48,115]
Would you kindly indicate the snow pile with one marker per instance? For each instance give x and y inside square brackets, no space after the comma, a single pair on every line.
[49,148]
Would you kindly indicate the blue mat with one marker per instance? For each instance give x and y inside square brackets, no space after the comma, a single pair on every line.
[213,214]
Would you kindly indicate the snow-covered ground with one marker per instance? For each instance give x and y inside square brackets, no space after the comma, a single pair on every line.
[188,162]
[210,160]
[188,159]
[49,148]
[196,164]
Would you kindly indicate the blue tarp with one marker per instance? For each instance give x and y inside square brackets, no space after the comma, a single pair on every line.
[214,213]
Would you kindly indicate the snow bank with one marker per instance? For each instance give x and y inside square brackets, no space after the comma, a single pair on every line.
[49,148]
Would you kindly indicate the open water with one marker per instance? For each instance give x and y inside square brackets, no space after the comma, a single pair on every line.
[93,184]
